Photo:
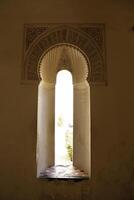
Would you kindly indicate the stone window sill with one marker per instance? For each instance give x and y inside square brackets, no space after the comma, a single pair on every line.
[62,172]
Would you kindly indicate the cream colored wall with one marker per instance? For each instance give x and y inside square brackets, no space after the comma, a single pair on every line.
[82,127]
[45,127]
[112,106]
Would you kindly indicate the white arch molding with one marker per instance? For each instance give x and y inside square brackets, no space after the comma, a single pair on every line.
[58,58]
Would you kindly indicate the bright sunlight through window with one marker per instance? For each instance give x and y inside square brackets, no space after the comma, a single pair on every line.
[64,119]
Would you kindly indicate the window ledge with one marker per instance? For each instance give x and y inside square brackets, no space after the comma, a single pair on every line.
[64,172]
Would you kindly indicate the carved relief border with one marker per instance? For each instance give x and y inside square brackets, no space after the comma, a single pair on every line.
[89,38]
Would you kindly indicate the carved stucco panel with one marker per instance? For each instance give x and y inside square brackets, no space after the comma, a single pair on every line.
[89,38]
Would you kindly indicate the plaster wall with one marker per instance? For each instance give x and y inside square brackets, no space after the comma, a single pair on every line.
[111,106]
[45,127]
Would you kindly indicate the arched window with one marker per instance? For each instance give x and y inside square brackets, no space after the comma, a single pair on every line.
[68,58]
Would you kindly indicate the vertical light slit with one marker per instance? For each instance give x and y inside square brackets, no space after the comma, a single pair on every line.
[64,118]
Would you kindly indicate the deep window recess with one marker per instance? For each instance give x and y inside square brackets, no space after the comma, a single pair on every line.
[63,132]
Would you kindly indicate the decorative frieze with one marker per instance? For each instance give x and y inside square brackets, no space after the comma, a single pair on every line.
[88,38]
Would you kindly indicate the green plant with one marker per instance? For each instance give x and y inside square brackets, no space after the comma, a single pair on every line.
[69,144]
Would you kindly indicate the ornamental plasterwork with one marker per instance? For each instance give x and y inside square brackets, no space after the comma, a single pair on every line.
[88,38]
[63,57]
[64,61]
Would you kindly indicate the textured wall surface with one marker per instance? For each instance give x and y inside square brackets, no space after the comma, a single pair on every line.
[111,106]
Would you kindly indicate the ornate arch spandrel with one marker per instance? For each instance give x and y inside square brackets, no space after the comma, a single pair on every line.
[89,38]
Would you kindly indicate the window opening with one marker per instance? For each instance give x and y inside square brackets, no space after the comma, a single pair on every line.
[63,128]
[64,119]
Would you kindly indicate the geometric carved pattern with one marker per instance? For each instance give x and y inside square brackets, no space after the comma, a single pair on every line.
[89,38]
[32,33]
